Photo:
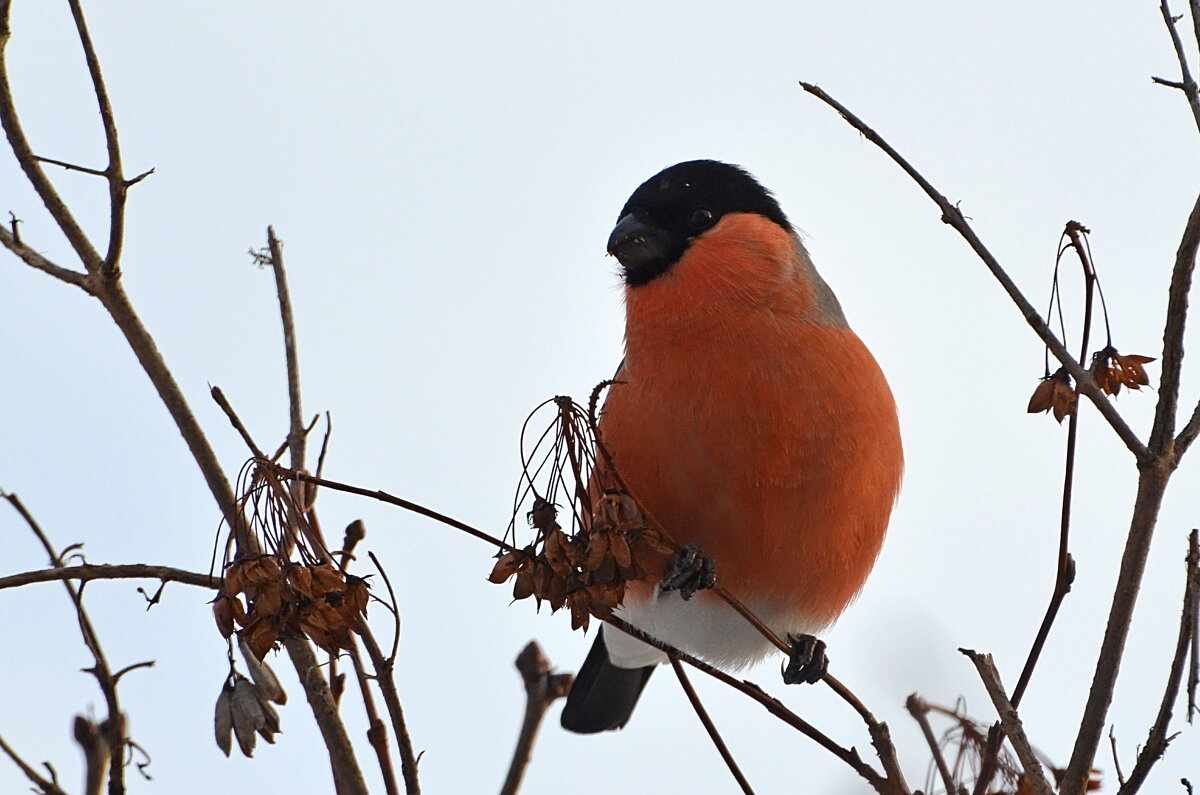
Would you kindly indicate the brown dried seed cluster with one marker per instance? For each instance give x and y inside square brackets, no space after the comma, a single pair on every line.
[318,601]
[1056,394]
[589,571]
[1112,370]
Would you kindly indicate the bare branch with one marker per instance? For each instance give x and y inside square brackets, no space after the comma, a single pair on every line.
[296,434]
[709,726]
[100,741]
[542,689]
[36,260]
[1156,743]
[1172,357]
[953,216]
[123,571]
[1112,741]
[347,776]
[1187,85]
[383,496]
[1152,482]
[384,676]
[235,420]
[377,732]
[33,170]
[45,786]
[1009,721]
[117,186]
[1188,435]
[774,706]
[917,707]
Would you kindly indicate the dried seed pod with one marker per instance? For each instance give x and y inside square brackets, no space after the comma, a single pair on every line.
[223,720]
[248,715]
[264,678]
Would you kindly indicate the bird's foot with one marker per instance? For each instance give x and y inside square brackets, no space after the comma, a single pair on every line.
[688,572]
[807,661]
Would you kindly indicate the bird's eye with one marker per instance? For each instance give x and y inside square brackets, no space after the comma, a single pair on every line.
[701,219]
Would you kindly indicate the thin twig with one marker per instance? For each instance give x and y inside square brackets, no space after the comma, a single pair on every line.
[542,688]
[1065,570]
[1010,722]
[384,675]
[235,420]
[35,260]
[1187,85]
[1156,743]
[296,435]
[395,611]
[383,496]
[122,571]
[44,785]
[29,164]
[774,706]
[709,726]
[1112,741]
[954,217]
[1172,356]
[376,731]
[71,166]
[117,186]
[103,741]
[917,707]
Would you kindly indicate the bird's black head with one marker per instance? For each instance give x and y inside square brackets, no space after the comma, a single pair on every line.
[669,210]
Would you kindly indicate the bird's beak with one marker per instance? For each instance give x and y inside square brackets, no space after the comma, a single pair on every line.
[642,249]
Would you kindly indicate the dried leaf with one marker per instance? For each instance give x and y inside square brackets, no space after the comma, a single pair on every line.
[234,582]
[523,585]
[223,613]
[1054,394]
[358,595]
[262,636]
[326,578]
[508,565]
[301,580]
[556,552]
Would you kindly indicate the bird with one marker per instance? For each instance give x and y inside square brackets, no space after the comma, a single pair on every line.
[748,419]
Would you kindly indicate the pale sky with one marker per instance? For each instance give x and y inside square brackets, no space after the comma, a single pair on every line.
[445,179]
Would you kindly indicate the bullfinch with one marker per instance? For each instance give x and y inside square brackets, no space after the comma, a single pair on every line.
[748,419]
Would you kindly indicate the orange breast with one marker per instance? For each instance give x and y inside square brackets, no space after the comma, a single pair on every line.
[754,424]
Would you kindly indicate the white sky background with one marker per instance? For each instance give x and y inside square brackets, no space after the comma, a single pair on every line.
[445,180]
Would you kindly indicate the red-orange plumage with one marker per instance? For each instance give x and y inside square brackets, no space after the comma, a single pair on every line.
[754,423]
[749,420]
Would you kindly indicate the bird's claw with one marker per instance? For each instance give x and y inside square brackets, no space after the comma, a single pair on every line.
[688,572]
[807,661]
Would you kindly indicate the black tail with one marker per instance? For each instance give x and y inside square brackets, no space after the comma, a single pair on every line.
[603,696]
